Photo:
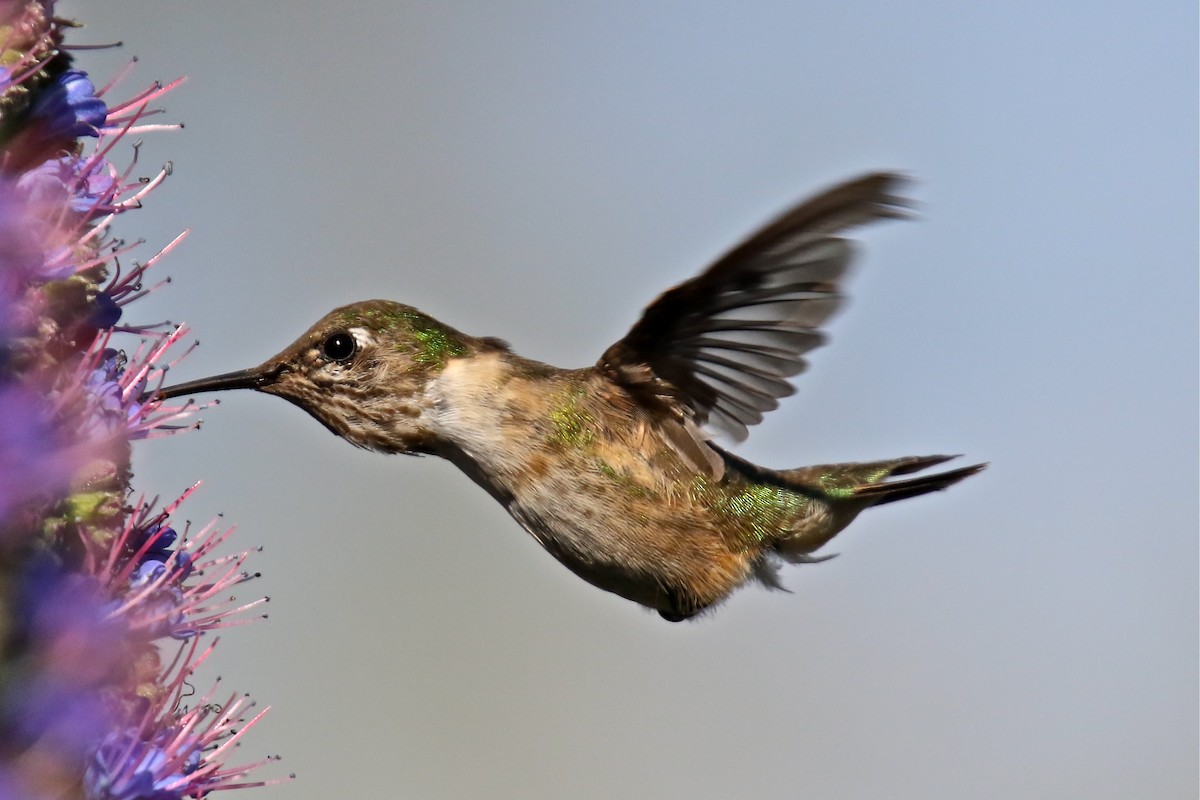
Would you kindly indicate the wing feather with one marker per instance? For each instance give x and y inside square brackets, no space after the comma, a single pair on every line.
[721,347]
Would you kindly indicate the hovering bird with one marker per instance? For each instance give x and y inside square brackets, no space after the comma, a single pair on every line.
[612,467]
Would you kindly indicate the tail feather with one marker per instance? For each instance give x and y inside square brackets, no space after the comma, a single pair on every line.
[911,464]
[869,482]
[912,487]
[845,490]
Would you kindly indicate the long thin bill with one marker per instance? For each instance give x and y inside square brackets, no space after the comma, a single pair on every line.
[254,378]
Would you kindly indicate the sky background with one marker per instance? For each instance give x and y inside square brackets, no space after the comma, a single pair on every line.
[539,172]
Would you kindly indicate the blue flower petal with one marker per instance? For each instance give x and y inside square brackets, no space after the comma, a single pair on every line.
[69,106]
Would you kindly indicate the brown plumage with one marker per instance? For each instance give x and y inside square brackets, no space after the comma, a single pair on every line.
[612,468]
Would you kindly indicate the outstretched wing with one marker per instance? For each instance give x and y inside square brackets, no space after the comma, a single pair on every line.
[722,345]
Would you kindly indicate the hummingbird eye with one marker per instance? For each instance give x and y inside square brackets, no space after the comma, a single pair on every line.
[339,347]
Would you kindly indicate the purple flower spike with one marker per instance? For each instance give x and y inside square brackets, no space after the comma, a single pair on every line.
[106,610]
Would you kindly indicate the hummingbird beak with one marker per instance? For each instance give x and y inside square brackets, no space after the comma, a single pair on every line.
[253,378]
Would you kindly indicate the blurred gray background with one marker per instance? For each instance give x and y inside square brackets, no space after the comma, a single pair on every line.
[539,172]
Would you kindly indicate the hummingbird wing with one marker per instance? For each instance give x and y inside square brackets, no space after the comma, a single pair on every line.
[721,347]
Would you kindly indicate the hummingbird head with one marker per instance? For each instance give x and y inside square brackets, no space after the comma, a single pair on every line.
[361,371]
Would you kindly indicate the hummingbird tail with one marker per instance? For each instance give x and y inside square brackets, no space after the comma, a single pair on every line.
[868,481]
[912,487]
[846,490]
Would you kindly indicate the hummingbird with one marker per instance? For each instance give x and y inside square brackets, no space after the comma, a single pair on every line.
[613,468]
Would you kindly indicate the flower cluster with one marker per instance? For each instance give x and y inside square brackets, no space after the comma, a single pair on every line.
[107,607]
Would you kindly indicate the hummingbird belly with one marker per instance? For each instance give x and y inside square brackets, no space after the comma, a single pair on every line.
[650,560]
